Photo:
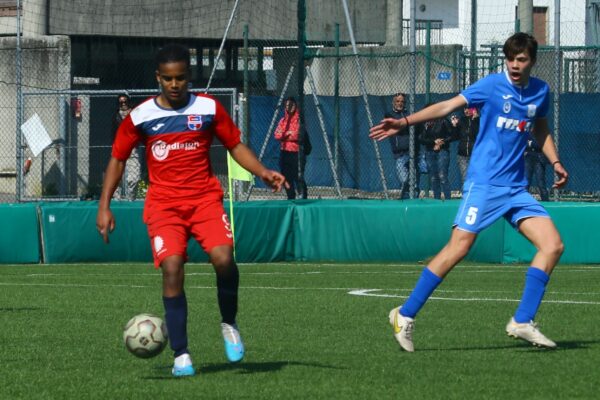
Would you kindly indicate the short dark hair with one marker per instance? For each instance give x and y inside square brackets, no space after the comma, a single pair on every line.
[290,98]
[173,52]
[519,43]
[127,98]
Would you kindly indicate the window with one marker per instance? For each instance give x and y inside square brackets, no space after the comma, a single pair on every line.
[8,8]
[540,25]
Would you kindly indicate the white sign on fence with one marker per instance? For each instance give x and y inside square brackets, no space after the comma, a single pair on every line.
[36,135]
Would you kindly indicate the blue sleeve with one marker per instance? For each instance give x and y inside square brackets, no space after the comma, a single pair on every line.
[478,93]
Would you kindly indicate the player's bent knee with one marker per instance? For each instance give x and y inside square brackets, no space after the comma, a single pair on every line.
[555,248]
[221,257]
[558,248]
[222,262]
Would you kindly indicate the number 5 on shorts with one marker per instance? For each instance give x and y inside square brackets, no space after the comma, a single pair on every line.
[471,215]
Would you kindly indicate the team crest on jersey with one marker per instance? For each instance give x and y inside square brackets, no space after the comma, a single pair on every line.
[531,109]
[506,107]
[194,122]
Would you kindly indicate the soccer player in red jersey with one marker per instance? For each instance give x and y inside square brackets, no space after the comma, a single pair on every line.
[184,199]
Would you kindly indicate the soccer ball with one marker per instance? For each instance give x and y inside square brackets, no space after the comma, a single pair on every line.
[145,335]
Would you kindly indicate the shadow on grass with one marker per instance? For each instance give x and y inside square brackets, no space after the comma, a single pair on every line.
[19,309]
[241,368]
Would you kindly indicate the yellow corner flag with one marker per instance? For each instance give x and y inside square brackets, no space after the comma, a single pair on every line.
[235,171]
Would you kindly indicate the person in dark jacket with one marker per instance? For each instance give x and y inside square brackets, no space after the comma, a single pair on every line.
[132,175]
[436,135]
[535,166]
[468,128]
[401,148]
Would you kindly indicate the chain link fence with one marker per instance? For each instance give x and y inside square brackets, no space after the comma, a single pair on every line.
[342,64]
[80,128]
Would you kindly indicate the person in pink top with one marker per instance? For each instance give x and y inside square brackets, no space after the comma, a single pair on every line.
[290,164]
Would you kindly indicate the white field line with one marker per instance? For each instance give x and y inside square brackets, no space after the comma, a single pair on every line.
[560,267]
[370,293]
[210,273]
[351,291]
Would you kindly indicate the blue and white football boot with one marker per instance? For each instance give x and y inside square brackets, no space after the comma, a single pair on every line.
[183,366]
[234,347]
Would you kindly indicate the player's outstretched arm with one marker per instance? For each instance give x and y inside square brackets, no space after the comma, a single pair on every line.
[247,159]
[105,220]
[542,135]
[390,126]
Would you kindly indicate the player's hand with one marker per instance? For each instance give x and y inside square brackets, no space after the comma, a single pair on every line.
[105,223]
[386,128]
[274,180]
[561,176]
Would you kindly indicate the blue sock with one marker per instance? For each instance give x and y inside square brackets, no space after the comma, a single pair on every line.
[423,289]
[176,319]
[535,287]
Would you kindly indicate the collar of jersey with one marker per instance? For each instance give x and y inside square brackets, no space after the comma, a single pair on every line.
[515,85]
[190,100]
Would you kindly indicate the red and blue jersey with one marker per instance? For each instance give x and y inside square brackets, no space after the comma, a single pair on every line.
[507,116]
[177,146]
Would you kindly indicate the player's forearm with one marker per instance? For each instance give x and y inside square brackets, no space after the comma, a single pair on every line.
[437,110]
[545,141]
[112,177]
[549,150]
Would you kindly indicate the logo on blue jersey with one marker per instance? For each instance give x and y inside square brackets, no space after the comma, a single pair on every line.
[531,109]
[194,122]
[513,124]
[506,107]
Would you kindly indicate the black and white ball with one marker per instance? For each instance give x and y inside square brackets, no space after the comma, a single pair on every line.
[145,335]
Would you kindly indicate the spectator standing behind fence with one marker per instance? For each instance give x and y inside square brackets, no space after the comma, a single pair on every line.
[436,135]
[401,148]
[288,134]
[133,170]
[468,128]
[535,166]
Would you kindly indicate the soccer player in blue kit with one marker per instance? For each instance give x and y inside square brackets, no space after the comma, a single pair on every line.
[512,104]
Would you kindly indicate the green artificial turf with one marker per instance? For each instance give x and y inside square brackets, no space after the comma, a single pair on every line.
[312,331]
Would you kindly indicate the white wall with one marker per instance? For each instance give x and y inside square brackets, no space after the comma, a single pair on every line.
[33,19]
[496,20]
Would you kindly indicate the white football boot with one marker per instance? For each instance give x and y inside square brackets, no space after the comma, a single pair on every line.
[403,329]
[528,331]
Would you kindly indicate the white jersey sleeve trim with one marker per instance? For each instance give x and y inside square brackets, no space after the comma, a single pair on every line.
[149,110]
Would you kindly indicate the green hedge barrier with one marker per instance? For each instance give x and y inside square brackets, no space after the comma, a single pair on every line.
[300,230]
[20,238]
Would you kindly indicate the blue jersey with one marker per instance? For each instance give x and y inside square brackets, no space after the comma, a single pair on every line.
[508,113]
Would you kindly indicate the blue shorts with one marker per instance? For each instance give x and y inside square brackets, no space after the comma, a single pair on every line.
[483,204]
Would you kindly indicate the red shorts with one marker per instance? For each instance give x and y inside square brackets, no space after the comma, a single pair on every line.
[171,228]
